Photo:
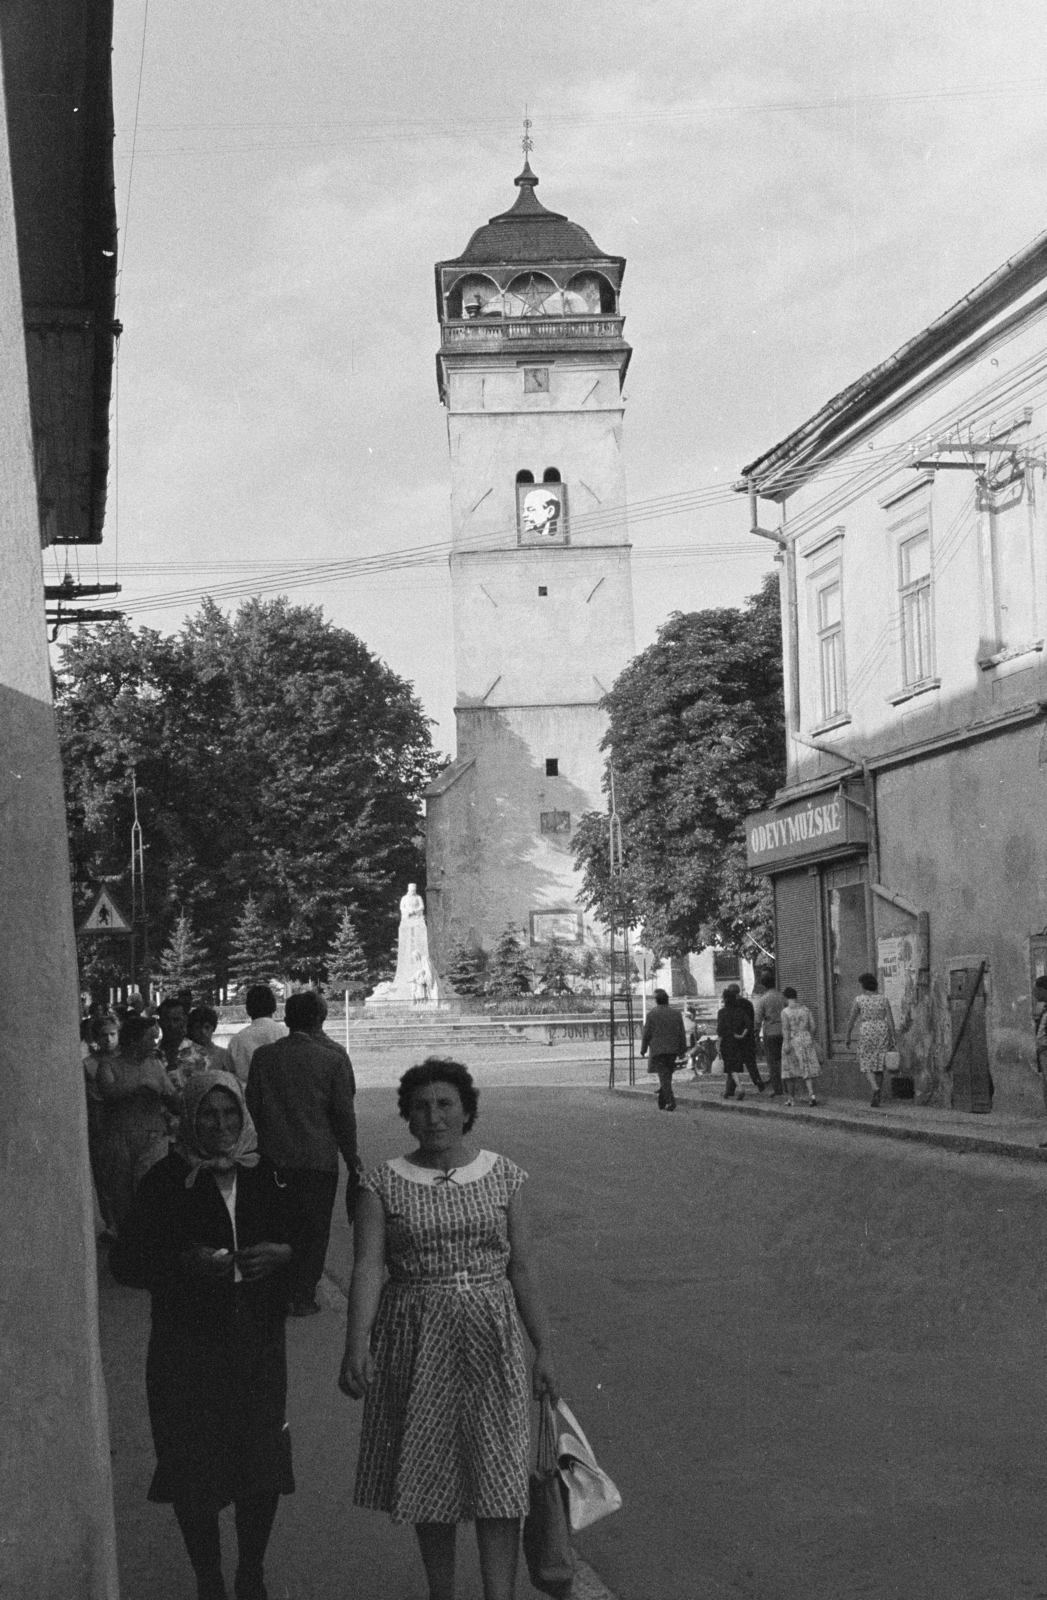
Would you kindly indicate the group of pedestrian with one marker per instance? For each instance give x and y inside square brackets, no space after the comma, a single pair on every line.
[789,1034]
[228,1230]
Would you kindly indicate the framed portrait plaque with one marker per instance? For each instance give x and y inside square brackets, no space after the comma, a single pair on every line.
[541,513]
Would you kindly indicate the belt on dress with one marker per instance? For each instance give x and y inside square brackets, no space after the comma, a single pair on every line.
[453,1280]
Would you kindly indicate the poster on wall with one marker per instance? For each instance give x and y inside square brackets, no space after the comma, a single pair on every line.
[899,959]
[541,511]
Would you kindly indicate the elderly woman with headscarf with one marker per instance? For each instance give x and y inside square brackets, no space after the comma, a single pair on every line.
[208,1237]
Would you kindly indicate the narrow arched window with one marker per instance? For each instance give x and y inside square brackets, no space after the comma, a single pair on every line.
[525,477]
[551,475]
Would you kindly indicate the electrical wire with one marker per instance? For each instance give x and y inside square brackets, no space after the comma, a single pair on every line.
[379,130]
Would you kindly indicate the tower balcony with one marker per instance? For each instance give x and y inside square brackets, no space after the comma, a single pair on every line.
[492,333]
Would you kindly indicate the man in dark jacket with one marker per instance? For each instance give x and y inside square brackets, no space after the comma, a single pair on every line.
[665,1037]
[300,1093]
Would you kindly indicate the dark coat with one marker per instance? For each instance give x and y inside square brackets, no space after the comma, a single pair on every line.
[300,1095]
[664,1033]
[736,1031]
[216,1370]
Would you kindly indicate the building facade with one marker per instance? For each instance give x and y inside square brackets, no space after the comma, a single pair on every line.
[910,837]
[530,369]
[56,337]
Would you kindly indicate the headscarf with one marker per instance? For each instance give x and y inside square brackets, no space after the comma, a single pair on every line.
[244,1152]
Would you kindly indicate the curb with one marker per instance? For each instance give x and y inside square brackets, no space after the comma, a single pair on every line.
[958,1143]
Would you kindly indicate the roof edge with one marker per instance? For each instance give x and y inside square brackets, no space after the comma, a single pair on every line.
[994,294]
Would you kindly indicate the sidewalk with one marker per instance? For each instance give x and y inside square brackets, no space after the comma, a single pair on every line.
[1022,1138]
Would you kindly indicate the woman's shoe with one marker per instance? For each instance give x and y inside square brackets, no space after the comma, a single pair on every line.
[814,1102]
[788,1099]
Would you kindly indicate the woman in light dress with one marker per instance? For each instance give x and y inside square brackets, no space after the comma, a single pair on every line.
[139,1100]
[800,1063]
[434,1350]
[871,1013]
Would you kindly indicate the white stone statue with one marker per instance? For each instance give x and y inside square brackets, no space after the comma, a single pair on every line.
[415,982]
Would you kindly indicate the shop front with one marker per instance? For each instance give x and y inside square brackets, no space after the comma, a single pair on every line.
[815,851]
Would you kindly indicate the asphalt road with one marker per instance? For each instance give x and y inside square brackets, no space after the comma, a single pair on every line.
[813,1363]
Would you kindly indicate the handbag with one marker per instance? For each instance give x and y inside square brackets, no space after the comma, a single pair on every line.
[892,1061]
[546,1535]
[590,1492]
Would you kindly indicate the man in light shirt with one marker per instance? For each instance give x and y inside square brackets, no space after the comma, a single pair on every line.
[768,1005]
[263,1028]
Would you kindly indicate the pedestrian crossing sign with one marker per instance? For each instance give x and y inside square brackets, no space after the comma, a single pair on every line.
[105,916]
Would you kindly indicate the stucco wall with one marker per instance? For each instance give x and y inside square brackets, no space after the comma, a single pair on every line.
[55,1488]
[514,645]
[964,836]
[488,861]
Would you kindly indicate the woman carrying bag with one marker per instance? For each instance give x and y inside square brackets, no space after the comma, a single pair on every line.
[435,1351]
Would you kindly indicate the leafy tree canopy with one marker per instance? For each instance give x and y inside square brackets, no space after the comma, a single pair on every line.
[275,756]
[695,743]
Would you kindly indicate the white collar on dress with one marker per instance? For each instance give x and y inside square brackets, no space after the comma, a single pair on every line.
[479,1167]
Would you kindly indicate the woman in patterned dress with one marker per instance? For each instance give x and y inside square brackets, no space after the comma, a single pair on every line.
[872,1013]
[435,1351]
[800,1063]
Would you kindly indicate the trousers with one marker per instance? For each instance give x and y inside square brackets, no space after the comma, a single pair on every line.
[773,1050]
[663,1066]
[310,1202]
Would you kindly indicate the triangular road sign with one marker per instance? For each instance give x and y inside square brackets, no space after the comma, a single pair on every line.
[105,916]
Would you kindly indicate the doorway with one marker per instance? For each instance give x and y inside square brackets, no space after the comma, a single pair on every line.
[846,911]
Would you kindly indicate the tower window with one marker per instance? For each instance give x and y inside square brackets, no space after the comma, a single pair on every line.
[536,380]
[551,475]
[524,476]
[555,821]
[552,766]
[542,589]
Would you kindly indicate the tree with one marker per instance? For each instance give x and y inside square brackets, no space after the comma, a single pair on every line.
[696,743]
[510,968]
[467,970]
[554,967]
[346,963]
[254,949]
[589,968]
[274,756]
[185,963]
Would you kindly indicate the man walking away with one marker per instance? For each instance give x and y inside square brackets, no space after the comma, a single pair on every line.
[768,1005]
[300,1094]
[666,1039]
[263,1028]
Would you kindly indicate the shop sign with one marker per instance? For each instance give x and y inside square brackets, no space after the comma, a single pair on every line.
[814,827]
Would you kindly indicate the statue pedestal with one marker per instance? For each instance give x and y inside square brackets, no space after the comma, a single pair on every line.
[397,997]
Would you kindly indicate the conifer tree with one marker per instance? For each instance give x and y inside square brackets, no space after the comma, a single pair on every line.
[346,963]
[554,967]
[589,968]
[254,954]
[185,963]
[510,970]
[467,972]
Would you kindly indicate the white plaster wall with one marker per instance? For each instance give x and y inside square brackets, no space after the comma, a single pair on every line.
[992,391]
[515,646]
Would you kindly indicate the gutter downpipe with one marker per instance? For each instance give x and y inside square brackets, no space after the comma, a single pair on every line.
[786,560]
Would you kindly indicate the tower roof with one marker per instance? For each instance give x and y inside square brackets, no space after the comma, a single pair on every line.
[528,233]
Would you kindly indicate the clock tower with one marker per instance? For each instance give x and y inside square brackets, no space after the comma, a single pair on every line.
[530,369]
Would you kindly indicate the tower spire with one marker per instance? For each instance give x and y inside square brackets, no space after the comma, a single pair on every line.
[526,143]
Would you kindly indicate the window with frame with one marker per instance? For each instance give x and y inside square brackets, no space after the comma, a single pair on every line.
[828,617]
[914,592]
[1008,514]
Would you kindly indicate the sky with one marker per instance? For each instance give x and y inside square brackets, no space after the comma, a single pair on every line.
[798,188]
